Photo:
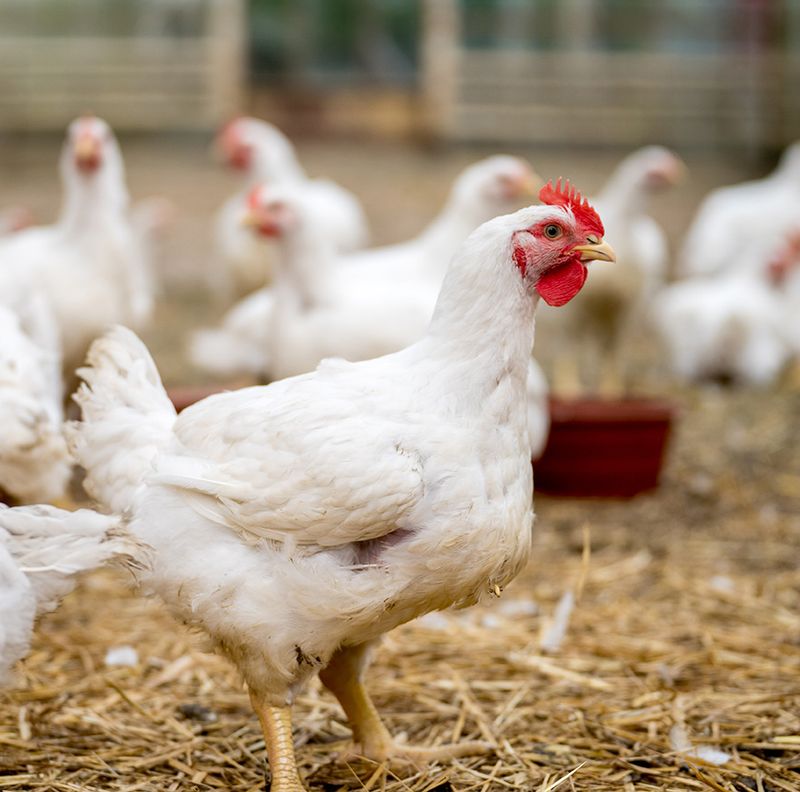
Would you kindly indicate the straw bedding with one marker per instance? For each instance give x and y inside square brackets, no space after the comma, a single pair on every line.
[682,650]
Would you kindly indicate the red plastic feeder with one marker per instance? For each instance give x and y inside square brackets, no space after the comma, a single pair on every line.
[600,448]
[185,396]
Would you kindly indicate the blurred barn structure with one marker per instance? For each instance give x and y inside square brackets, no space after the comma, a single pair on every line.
[621,72]
[615,71]
[142,64]
[717,72]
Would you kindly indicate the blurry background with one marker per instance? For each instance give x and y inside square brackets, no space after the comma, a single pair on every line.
[610,72]
[391,98]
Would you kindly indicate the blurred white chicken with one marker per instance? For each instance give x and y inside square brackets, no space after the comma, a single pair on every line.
[266,156]
[614,302]
[89,264]
[42,549]
[725,223]
[371,303]
[15,218]
[152,219]
[34,463]
[297,522]
[482,191]
[739,326]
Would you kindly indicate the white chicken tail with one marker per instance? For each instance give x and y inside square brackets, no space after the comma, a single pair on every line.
[50,546]
[127,418]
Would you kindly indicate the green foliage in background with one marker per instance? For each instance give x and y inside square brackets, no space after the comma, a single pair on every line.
[330,40]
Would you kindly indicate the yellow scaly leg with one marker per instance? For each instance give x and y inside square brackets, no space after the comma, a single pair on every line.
[343,678]
[276,723]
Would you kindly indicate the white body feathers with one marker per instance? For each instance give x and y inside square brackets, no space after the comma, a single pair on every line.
[326,509]
[42,549]
[34,463]
[727,223]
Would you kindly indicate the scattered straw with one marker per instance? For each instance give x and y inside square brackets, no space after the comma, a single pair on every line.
[688,611]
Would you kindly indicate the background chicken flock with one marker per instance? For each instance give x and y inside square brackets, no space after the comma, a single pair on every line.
[304,291]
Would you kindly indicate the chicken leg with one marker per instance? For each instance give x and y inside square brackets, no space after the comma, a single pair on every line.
[276,723]
[343,677]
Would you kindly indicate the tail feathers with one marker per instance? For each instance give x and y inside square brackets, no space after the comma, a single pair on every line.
[51,546]
[127,418]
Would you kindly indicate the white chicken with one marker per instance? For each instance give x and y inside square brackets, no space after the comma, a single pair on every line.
[266,156]
[88,265]
[739,326]
[297,522]
[240,346]
[35,465]
[42,549]
[613,304]
[370,303]
[725,223]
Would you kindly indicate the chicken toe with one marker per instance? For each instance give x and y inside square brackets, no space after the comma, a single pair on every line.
[371,739]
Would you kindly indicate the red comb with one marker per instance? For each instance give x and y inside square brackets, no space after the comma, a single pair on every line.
[230,143]
[570,198]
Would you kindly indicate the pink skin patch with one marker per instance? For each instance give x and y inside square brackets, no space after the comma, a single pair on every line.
[560,284]
[520,258]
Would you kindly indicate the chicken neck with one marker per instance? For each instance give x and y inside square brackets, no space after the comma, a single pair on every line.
[482,330]
[305,266]
[94,200]
[275,162]
[625,193]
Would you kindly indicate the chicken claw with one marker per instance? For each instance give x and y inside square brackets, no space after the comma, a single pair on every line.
[398,753]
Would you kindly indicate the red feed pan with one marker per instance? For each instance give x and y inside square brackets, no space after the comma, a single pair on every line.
[600,448]
[185,396]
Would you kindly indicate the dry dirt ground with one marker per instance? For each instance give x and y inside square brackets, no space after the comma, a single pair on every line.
[685,635]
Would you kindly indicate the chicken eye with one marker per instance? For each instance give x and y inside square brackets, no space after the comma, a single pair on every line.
[552,231]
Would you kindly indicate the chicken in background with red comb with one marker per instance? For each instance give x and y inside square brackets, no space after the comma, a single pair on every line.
[263,154]
[296,523]
[367,304]
[241,345]
[88,265]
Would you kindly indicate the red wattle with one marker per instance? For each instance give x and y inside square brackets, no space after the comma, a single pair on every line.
[559,285]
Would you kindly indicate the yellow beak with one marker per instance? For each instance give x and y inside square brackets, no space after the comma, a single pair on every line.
[86,148]
[596,250]
[250,219]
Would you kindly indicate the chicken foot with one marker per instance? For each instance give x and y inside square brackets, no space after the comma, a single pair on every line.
[343,677]
[276,722]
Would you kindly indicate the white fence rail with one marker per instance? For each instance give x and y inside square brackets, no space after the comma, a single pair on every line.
[137,78]
[581,95]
